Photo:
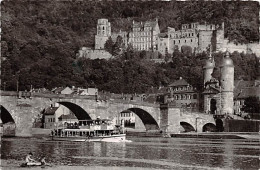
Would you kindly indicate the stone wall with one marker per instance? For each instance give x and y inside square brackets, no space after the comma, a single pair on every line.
[205,38]
[232,125]
[93,54]
[246,48]
[100,42]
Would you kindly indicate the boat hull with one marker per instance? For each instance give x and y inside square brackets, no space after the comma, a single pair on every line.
[112,138]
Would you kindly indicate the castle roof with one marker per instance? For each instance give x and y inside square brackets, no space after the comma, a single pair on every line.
[145,24]
[163,35]
[180,82]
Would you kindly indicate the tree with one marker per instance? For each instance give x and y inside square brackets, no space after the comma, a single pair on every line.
[251,105]
[109,45]
[118,46]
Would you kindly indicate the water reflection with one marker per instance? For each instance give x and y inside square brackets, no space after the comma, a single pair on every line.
[167,153]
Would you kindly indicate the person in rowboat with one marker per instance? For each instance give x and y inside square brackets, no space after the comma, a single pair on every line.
[30,161]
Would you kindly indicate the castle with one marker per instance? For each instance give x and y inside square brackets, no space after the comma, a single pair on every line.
[147,36]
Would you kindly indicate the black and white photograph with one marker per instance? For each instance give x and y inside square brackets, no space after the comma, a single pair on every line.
[129,85]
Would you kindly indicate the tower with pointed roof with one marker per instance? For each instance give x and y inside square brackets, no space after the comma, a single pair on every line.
[208,68]
[219,94]
[227,84]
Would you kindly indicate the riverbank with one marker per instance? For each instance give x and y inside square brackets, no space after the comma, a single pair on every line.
[15,165]
[219,135]
[209,135]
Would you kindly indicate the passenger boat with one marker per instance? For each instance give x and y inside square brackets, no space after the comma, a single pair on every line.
[89,131]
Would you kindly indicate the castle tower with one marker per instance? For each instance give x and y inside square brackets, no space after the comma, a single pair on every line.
[208,68]
[227,84]
[103,33]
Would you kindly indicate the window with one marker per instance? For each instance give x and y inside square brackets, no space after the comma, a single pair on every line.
[173,41]
[194,96]
[179,41]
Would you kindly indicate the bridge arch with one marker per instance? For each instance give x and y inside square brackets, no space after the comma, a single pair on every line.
[79,112]
[6,117]
[187,126]
[209,127]
[8,126]
[149,122]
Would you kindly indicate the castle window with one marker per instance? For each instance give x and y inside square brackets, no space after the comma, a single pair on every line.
[173,41]
[185,41]
[103,28]
[192,34]
[190,40]
[179,41]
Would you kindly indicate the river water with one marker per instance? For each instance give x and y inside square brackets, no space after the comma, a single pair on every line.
[141,153]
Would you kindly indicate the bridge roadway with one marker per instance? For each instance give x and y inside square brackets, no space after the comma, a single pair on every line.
[24,110]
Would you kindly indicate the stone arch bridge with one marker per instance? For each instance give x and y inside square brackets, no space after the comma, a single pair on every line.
[23,111]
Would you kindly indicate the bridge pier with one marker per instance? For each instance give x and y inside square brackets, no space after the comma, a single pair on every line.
[170,119]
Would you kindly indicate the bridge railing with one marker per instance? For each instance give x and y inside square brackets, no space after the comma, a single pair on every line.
[64,96]
[121,101]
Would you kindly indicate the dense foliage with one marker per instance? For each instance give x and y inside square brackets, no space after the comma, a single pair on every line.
[40,40]
[252,105]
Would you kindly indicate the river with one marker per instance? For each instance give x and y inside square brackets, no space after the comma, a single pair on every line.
[141,153]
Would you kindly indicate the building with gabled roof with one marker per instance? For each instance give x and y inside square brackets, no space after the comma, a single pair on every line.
[51,115]
[183,94]
[244,90]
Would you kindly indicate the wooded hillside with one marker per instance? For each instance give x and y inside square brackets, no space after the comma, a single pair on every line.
[40,40]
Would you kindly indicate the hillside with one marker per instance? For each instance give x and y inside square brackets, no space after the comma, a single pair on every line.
[40,39]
